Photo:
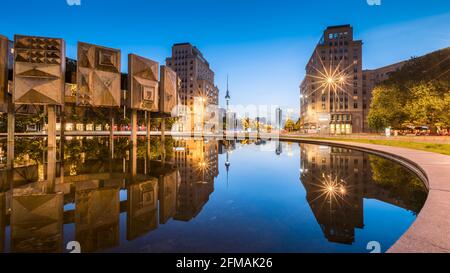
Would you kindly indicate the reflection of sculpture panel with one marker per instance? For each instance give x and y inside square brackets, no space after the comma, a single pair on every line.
[26,174]
[2,221]
[168,90]
[3,70]
[97,218]
[142,83]
[142,208]
[98,76]
[168,185]
[39,68]
[37,223]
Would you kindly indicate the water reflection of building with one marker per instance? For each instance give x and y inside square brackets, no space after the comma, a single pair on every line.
[90,182]
[337,180]
[197,161]
[338,213]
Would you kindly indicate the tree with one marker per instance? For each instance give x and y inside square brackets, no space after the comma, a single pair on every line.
[426,107]
[399,182]
[245,123]
[386,109]
[417,94]
[289,125]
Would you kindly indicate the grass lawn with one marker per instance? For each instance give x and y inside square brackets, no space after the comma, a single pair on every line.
[429,147]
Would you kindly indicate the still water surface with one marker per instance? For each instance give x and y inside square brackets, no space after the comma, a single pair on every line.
[193,195]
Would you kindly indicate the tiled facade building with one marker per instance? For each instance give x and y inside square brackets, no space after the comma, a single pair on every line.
[197,162]
[346,110]
[325,108]
[197,78]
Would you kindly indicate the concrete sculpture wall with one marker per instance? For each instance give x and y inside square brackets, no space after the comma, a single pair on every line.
[98,76]
[168,91]
[39,68]
[142,83]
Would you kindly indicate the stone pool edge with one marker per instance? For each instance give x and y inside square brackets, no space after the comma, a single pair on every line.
[430,232]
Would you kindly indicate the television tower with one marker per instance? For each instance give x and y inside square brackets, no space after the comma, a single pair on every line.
[228,97]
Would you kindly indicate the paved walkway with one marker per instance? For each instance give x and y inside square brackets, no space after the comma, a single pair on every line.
[423,139]
[431,230]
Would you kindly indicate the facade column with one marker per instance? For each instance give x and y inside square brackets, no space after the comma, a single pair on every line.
[51,148]
[133,161]
[147,126]
[134,127]
[51,170]
[111,132]
[148,131]
[61,132]
[10,136]
[163,140]
[51,126]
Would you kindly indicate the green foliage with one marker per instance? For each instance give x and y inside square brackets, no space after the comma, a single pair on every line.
[28,150]
[399,183]
[418,94]
[427,106]
[170,122]
[386,107]
[289,125]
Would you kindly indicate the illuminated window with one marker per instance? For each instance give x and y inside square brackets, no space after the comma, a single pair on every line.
[69,126]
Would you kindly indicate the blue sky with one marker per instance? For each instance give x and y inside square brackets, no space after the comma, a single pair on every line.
[263,45]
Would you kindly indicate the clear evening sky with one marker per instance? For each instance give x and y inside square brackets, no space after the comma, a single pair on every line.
[263,45]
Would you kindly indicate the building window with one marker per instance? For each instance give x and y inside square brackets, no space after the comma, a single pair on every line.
[355,105]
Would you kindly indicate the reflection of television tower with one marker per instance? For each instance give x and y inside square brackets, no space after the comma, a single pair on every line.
[227,163]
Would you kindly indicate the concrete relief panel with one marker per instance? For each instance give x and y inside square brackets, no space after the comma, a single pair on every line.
[168,186]
[39,70]
[37,223]
[3,70]
[98,76]
[97,218]
[142,83]
[142,208]
[168,90]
